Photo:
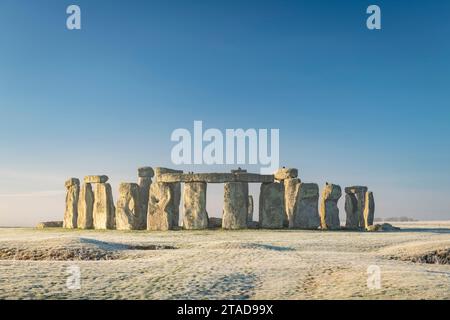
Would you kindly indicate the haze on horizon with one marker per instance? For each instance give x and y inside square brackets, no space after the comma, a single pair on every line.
[353,106]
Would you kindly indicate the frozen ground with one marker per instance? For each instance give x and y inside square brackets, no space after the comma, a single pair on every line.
[215,264]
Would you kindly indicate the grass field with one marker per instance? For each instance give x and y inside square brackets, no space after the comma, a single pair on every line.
[216,264]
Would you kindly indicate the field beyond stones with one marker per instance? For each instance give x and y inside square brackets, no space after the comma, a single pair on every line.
[216,264]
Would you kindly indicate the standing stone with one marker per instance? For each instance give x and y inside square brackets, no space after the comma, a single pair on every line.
[195,215]
[235,205]
[291,192]
[129,214]
[161,207]
[301,201]
[176,191]
[104,210]
[176,187]
[271,206]
[369,209]
[250,209]
[329,211]
[352,219]
[360,205]
[71,212]
[145,175]
[86,207]
[144,190]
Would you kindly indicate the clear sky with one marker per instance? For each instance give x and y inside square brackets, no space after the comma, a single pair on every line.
[353,106]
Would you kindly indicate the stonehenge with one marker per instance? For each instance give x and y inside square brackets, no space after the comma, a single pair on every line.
[250,209]
[271,206]
[104,209]
[86,207]
[359,207]
[145,175]
[129,214]
[194,201]
[71,212]
[369,209]
[329,211]
[161,207]
[235,205]
[284,202]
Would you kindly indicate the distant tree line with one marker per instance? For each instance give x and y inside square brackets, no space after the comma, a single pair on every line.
[395,219]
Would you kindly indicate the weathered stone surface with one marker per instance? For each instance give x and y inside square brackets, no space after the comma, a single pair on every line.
[352,218]
[71,210]
[250,209]
[360,205]
[49,224]
[160,207]
[369,209]
[176,203]
[144,190]
[86,207]
[355,189]
[235,205]
[95,179]
[238,170]
[271,206]
[160,171]
[291,193]
[129,214]
[286,173]
[301,201]
[329,211]
[214,223]
[145,172]
[104,210]
[382,227]
[215,177]
[71,182]
[194,201]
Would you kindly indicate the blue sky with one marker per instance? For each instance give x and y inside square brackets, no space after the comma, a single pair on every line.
[353,106]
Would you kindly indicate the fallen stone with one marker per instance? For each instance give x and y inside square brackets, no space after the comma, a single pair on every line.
[71,210]
[145,172]
[95,179]
[329,211]
[271,206]
[214,223]
[129,215]
[86,207]
[252,224]
[160,207]
[235,205]
[104,210]
[352,218]
[195,215]
[286,173]
[355,189]
[369,209]
[49,224]
[382,227]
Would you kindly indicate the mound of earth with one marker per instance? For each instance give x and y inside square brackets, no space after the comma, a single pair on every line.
[70,249]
